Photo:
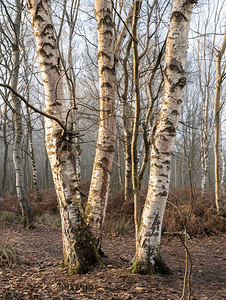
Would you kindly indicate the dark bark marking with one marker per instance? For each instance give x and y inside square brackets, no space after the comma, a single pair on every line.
[176,65]
[159,166]
[38,9]
[179,16]
[102,53]
[155,225]
[164,175]
[162,137]
[43,53]
[174,112]
[47,30]
[108,32]
[181,83]
[190,2]
[166,153]
[105,21]
[50,45]
[162,194]
[39,18]
[179,101]
[55,103]
[169,123]
[106,68]
[166,162]
[170,129]
[106,84]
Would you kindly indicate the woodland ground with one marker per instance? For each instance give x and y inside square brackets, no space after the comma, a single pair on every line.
[38,274]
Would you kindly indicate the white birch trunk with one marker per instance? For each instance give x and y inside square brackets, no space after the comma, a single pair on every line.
[98,194]
[18,126]
[32,156]
[148,259]
[78,246]
[204,138]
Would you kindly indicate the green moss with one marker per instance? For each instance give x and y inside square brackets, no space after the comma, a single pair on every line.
[77,270]
[141,267]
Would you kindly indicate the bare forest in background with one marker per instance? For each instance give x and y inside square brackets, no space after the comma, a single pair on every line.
[112,115]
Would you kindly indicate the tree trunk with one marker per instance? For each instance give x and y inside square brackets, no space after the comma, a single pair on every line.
[32,156]
[148,258]
[27,214]
[6,150]
[127,125]
[79,251]
[135,181]
[217,110]
[204,153]
[98,194]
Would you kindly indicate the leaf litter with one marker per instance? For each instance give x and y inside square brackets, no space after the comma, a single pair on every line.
[38,274]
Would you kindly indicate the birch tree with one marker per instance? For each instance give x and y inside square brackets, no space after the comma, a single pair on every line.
[148,258]
[79,251]
[99,187]
[17,156]
[220,75]
[108,56]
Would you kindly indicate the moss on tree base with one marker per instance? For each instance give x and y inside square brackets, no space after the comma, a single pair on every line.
[145,267]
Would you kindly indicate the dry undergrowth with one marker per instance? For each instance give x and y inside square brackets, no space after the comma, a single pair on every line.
[119,217]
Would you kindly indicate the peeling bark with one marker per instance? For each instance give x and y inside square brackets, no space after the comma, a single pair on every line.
[79,251]
[148,258]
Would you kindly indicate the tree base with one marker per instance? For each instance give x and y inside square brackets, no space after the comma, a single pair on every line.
[145,268]
[101,252]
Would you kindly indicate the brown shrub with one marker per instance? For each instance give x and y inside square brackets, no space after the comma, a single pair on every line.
[202,211]
[203,216]
[49,202]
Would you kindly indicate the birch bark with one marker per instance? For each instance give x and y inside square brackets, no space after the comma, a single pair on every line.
[108,56]
[32,155]
[204,140]
[148,258]
[18,136]
[98,194]
[79,251]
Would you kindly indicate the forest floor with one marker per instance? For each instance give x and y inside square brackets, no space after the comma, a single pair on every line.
[39,276]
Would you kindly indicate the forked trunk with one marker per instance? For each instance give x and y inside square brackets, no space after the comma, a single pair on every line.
[79,251]
[148,258]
